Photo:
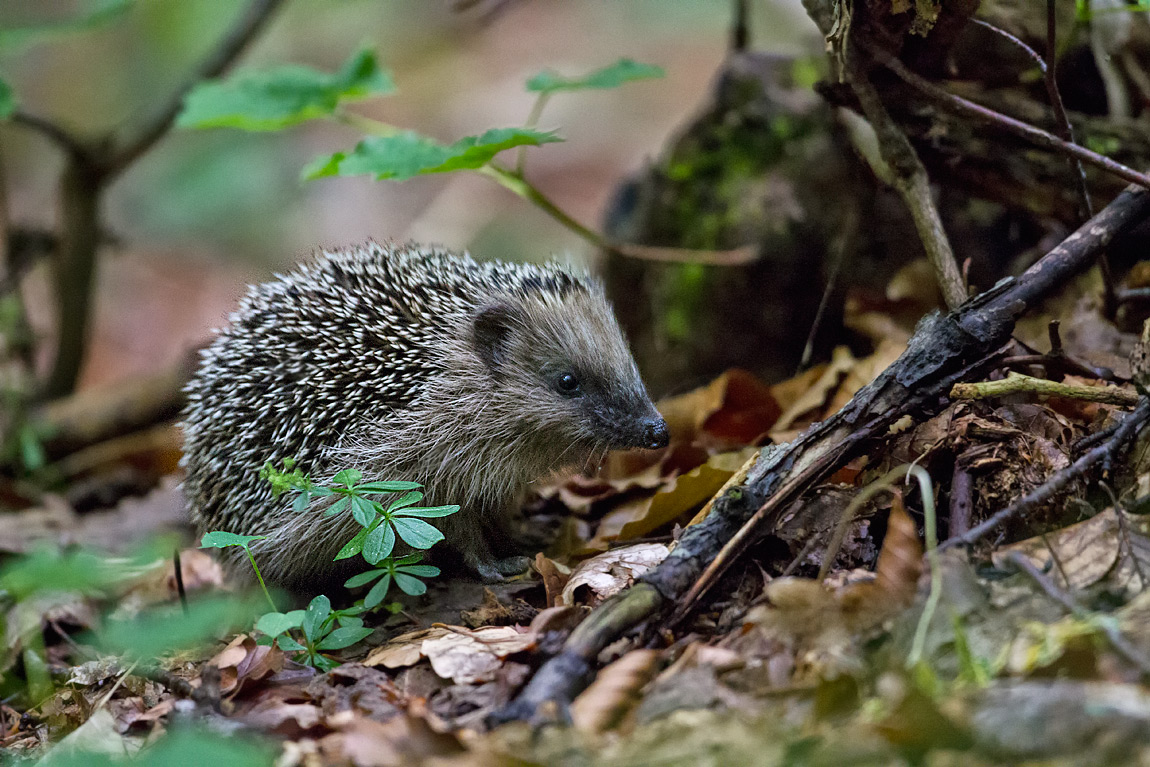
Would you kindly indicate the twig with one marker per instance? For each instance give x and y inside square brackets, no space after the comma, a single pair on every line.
[520,186]
[87,175]
[53,132]
[910,179]
[1059,480]
[1023,130]
[1117,641]
[961,498]
[214,64]
[839,249]
[1016,383]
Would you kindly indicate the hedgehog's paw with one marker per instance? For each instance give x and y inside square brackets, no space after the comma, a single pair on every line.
[498,570]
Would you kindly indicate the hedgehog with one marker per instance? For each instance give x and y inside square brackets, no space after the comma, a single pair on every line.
[415,363]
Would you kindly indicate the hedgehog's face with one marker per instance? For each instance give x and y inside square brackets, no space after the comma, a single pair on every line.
[559,366]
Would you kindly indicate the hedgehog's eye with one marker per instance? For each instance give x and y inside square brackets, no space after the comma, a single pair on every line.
[567,385]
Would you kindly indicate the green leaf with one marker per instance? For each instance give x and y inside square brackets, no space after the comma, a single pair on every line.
[47,570]
[408,154]
[405,500]
[7,103]
[220,539]
[301,502]
[95,13]
[343,637]
[363,578]
[363,510]
[387,487]
[322,663]
[287,644]
[416,532]
[317,611]
[378,544]
[410,585]
[152,634]
[378,592]
[274,624]
[354,546]
[427,512]
[622,71]
[423,571]
[278,98]
[348,477]
[32,453]
[338,507]
[410,559]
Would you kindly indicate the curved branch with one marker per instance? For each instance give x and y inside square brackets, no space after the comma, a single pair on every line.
[51,131]
[214,64]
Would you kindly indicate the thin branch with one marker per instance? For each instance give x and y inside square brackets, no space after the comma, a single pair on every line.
[1118,642]
[910,179]
[1034,135]
[1016,383]
[51,131]
[1060,479]
[213,65]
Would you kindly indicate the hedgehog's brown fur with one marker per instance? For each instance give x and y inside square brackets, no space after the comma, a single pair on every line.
[407,363]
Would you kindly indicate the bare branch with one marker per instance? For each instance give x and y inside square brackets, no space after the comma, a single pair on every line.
[213,65]
[51,131]
[1023,130]
[910,179]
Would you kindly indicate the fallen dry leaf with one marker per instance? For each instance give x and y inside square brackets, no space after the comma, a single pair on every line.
[243,659]
[614,570]
[468,656]
[402,651]
[734,409]
[400,741]
[680,495]
[615,693]
[1089,551]
[463,655]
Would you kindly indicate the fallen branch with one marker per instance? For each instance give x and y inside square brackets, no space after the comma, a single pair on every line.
[943,351]
[1017,383]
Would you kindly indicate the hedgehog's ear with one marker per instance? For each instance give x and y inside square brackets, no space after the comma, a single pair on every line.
[493,326]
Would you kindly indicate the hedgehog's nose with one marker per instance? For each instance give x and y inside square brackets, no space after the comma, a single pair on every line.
[655,433]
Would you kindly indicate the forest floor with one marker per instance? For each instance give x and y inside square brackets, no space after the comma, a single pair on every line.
[844,637]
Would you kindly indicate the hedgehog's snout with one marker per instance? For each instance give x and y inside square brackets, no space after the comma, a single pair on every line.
[655,434]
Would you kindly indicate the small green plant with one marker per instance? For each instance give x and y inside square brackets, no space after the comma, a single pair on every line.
[319,628]
[405,572]
[221,539]
[288,95]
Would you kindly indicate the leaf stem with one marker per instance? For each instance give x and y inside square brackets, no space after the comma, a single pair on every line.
[532,121]
[260,578]
[366,124]
[515,183]
[931,525]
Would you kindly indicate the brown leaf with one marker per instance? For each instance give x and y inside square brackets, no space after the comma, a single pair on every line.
[400,741]
[734,409]
[615,693]
[243,659]
[553,579]
[466,657]
[640,516]
[900,559]
[614,570]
